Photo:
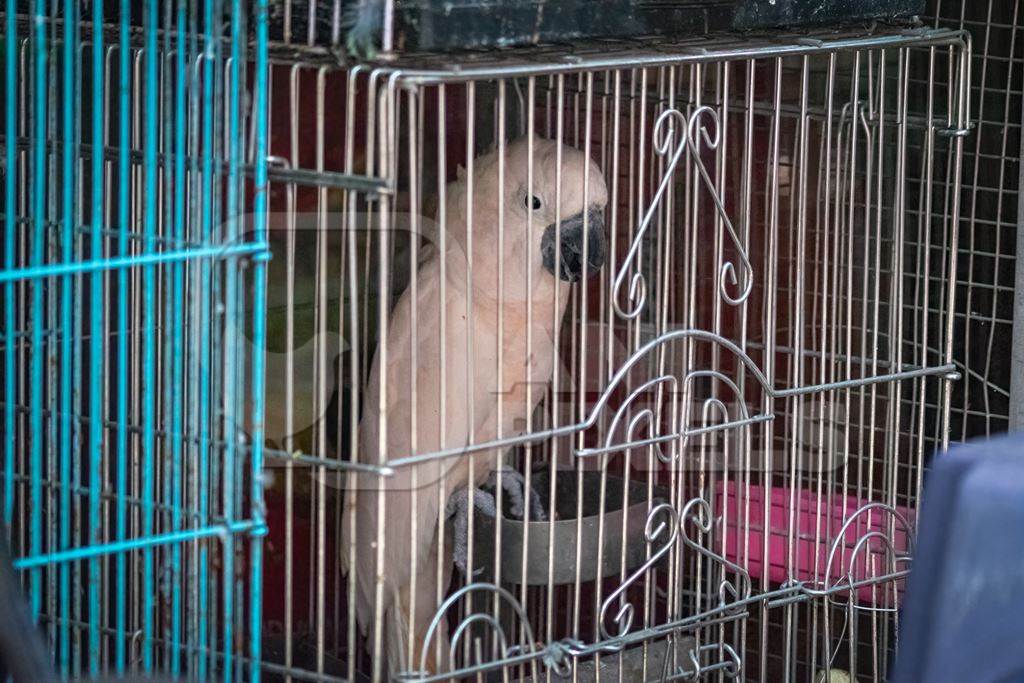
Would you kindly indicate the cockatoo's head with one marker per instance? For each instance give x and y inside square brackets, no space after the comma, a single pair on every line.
[546,233]
[569,223]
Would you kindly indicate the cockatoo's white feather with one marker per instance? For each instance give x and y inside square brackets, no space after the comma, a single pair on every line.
[456,369]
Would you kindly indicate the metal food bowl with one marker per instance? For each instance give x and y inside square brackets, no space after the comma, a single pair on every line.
[538,534]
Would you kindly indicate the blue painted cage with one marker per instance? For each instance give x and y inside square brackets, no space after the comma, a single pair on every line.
[132,276]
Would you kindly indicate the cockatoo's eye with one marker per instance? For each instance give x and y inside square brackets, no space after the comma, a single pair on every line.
[532,202]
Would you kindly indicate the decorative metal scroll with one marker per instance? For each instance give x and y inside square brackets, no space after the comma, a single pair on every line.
[729,664]
[668,144]
[697,512]
[645,415]
[555,656]
[624,617]
[486,618]
[685,432]
[881,540]
[619,378]
[735,596]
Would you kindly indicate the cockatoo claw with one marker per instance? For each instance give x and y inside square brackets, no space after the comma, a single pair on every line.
[513,483]
[458,506]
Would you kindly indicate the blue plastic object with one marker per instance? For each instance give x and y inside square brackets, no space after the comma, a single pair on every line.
[963,617]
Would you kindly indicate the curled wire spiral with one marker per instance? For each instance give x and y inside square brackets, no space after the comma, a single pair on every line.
[664,516]
[697,133]
[668,143]
[727,422]
[476,617]
[645,415]
[882,540]
[698,513]
[681,432]
[624,617]
[730,665]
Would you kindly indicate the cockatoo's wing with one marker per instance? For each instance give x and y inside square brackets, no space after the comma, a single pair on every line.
[469,352]
[423,366]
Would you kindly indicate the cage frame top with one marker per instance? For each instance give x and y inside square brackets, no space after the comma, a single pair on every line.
[425,69]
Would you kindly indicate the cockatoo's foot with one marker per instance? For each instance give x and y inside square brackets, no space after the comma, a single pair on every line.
[458,506]
[514,485]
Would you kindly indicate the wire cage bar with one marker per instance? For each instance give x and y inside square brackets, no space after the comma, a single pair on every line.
[134,267]
[718,467]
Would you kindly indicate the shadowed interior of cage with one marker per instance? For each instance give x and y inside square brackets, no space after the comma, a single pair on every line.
[829,169]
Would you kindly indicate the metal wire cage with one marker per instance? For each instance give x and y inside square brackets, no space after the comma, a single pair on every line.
[725,449]
[706,463]
[134,204]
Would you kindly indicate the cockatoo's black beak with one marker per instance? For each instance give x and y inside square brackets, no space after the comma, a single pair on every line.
[573,245]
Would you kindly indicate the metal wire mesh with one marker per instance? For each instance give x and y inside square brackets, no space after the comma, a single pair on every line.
[765,356]
[984,318]
[133,247]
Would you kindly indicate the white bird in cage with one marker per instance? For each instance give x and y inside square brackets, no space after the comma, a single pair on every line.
[493,357]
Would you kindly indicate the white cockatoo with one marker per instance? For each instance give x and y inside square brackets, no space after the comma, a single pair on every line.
[471,385]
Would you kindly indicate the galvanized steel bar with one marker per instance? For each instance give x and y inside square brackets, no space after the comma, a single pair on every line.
[10,233]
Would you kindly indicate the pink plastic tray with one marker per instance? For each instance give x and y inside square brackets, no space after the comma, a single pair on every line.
[814,540]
